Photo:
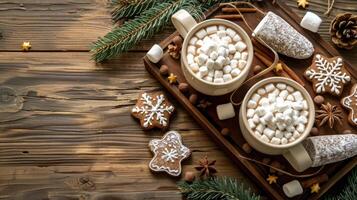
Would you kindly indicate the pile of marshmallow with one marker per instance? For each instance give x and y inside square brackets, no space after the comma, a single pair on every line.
[277,113]
[217,54]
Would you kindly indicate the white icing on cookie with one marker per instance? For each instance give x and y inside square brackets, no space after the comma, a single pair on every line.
[350,102]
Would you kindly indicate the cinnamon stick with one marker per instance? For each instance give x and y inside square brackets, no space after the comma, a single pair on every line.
[242,10]
[228,17]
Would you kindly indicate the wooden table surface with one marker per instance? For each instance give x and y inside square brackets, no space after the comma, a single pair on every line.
[74,138]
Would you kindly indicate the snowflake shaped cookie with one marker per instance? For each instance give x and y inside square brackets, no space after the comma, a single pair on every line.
[350,102]
[169,152]
[328,75]
[153,110]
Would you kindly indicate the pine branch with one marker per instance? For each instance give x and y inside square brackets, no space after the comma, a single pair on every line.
[131,8]
[216,188]
[149,22]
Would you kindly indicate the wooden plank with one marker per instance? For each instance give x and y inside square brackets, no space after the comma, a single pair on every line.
[76,123]
[56,25]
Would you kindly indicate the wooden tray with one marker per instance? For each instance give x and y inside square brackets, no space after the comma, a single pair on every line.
[232,144]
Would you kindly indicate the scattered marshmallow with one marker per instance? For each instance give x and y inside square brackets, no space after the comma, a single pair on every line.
[311,22]
[155,53]
[225,111]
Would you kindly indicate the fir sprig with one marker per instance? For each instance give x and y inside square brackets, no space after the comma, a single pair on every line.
[131,8]
[149,22]
[224,188]
[349,189]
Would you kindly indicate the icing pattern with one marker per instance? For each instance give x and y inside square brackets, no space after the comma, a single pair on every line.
[350,102]
[329,76]
[153,108]
[169,152]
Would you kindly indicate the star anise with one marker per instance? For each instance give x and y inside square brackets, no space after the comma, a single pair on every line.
[206,167]
[329,113]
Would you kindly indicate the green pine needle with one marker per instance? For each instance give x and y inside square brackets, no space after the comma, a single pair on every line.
[224,188]
[349,191]
[131,8]
[148,23]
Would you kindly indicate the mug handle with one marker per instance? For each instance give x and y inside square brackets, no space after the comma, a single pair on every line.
[183,22]
[298,157]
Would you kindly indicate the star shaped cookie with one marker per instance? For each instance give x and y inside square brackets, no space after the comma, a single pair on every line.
[350,102]
[328,75]
[153,110]
[168,153]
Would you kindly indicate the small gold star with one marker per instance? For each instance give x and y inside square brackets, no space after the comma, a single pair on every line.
[26,46]
[302,3]
[272,179]
[315,188]
[172,78]
[278,67]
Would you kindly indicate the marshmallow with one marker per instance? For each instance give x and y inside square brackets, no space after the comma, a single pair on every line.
[227,77]
[264,138]
[208,78]
[234,63]
[237,55]
[256,119]
[231,49]
[269,87]
[284,141]
[213,55]
[193,41]
[199,43]
[221,33]
[279,134]
[251,123]
[290,89]
[283,94]
[259,128]
[264,101]
[202,58]
[300,128]
[210,64]
[211,29]
[225,111]
[268,117]
[260,111]
[190,59]
[244,55]
[227,69]
[269,133]
[221,28]
[304,113]
[291,139]
[251,104]
[241,64]
[296,135]
[298,96]
[155,53]
[250,113]
[218,80]
[201,33]
[240,46]
[261,91]
[288,135]
[231,32]
[235,72]
[211,73]
[194,67]
[220,61]
[275,140]
[281,86]
[255,97]
[218,74]
[305,105]
[237,38]
[297,105]
[311,22]
[293,188]
[203,71]
[290,97]
[227,40]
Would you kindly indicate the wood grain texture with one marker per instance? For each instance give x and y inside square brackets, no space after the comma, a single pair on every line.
[74,137]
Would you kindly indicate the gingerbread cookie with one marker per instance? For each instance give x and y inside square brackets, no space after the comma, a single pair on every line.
[153,110]
[169,152]
[328,75]
[350,102]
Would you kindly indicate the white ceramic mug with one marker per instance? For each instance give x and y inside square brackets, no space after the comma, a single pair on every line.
[294,152]
[187,27]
